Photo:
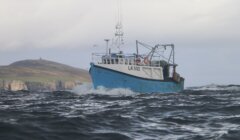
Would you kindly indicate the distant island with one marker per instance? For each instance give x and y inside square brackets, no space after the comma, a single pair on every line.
[41,75]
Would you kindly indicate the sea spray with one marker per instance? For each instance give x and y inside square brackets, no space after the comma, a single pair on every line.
[87,88]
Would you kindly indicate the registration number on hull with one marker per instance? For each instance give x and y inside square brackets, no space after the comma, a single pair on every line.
[135,68]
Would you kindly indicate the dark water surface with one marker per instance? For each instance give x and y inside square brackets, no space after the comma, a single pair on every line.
[201,114]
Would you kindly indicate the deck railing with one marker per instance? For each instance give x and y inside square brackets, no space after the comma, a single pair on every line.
[128,59]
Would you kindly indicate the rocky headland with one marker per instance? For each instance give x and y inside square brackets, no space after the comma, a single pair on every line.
[41,75]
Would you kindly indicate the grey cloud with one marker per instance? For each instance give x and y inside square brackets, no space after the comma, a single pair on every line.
[51,23]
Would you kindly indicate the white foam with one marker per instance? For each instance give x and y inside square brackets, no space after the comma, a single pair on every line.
[88,89]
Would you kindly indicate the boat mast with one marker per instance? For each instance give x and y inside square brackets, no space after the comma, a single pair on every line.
[119,28]
[107,51]
[137,47]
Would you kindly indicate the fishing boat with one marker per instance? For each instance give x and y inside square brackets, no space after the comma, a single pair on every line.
[148,72]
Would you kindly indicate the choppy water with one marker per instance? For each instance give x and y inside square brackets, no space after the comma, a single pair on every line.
[197,113]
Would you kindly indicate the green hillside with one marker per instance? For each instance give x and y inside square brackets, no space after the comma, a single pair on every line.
[42,71]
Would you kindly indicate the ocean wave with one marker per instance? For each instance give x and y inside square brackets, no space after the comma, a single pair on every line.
[115,114]
[215,87]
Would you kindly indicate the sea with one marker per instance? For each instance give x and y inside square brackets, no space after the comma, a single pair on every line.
[199,113]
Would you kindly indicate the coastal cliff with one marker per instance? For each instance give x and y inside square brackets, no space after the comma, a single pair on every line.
[41,75]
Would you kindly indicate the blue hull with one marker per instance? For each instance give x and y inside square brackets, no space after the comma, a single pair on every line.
[113,79]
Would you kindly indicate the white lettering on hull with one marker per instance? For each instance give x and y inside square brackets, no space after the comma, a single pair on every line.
[138,71]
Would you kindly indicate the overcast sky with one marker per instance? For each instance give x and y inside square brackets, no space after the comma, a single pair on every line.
[206,33]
